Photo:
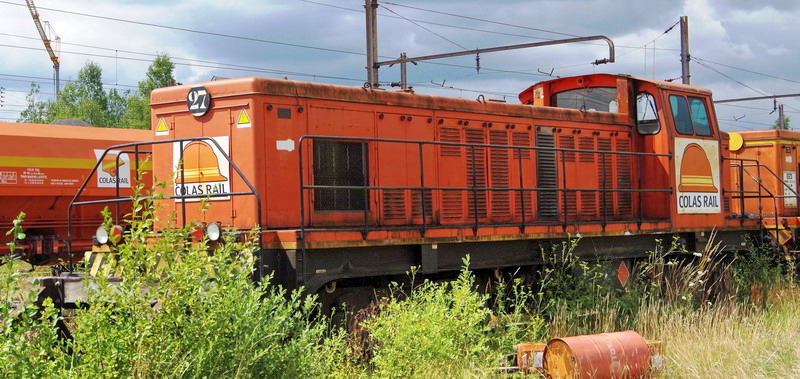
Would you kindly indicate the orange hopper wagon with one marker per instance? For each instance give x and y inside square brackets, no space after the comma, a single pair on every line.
[41,169]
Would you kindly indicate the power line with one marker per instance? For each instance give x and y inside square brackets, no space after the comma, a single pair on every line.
[736,126]
[721,73]
[39,79]
[245,38]
[238,67]
[745,70]
[424,28]
[216,34]
[744,107]
[216,65]
[18,91]
[652,41]
[481,19]
[465,27]
[47,80]
[750,122]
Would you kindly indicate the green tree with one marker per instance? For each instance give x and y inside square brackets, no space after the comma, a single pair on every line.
[84,98]
[117,106]
[777,124]
[159,74]
[38,111]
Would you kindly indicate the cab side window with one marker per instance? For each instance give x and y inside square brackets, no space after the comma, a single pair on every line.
[646,114]
[699,116]
[680,114]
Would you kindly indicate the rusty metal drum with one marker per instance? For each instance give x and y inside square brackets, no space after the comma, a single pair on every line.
[609,355]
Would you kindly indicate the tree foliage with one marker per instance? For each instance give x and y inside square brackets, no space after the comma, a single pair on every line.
[777,124]
[85,99]
[37,111]
[159,74]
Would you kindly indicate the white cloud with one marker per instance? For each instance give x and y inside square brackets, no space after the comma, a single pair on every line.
[736,33]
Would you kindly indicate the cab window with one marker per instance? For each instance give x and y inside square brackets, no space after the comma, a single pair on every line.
[602,99]
[680,114]
[646,114]
[699,116]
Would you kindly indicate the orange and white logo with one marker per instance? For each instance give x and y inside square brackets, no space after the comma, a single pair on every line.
[697,168]
[115,169]
[205,173]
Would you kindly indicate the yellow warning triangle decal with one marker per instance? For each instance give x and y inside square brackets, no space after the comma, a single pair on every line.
[243,119]
[162,126]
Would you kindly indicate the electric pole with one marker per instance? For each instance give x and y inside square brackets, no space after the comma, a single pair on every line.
[685,76]
[371,8]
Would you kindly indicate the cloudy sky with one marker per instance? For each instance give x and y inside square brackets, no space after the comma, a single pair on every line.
[742,48]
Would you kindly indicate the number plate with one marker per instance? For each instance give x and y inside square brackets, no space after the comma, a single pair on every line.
[197,100]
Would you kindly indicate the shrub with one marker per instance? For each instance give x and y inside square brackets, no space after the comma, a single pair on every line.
[29,341]
[185,311]
[438,329]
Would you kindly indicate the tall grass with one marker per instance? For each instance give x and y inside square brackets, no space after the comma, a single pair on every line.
[719,316]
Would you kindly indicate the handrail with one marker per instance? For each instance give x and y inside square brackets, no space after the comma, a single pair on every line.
[181,141]
[758,180]
[474,189]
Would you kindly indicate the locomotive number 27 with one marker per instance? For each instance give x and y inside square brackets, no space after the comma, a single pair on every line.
[197,100]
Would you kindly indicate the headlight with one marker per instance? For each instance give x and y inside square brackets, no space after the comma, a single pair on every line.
[102,235]
[213,231]
[116,234]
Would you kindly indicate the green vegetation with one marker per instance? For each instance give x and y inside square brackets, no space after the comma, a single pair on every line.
[785,126]
[85,99]
[206,318]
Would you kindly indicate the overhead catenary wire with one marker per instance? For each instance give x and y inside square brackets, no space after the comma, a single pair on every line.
[237,67]
[481,19]
[243,68]
[217,65]
[666,31]
[39,79]
[225,35]
[694,57]
[466,27]
[731,78]
[754,108]
[424,28]
[735,125]
[188,30]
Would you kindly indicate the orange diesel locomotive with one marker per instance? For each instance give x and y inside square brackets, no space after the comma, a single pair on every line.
[42,167]
[352,186]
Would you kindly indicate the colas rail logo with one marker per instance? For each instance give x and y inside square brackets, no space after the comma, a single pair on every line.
[205,171]
[114,170]
[697,192]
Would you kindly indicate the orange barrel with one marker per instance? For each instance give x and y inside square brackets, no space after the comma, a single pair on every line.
[609,355]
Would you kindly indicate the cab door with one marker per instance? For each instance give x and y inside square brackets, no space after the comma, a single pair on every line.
[652,137]
[697,159]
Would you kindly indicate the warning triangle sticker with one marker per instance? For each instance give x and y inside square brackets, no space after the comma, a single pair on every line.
[161,128]
[244,120]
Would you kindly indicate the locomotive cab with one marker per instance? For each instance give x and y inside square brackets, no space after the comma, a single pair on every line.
[673,123]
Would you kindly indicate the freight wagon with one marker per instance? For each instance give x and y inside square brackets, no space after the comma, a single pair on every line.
[41,169]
